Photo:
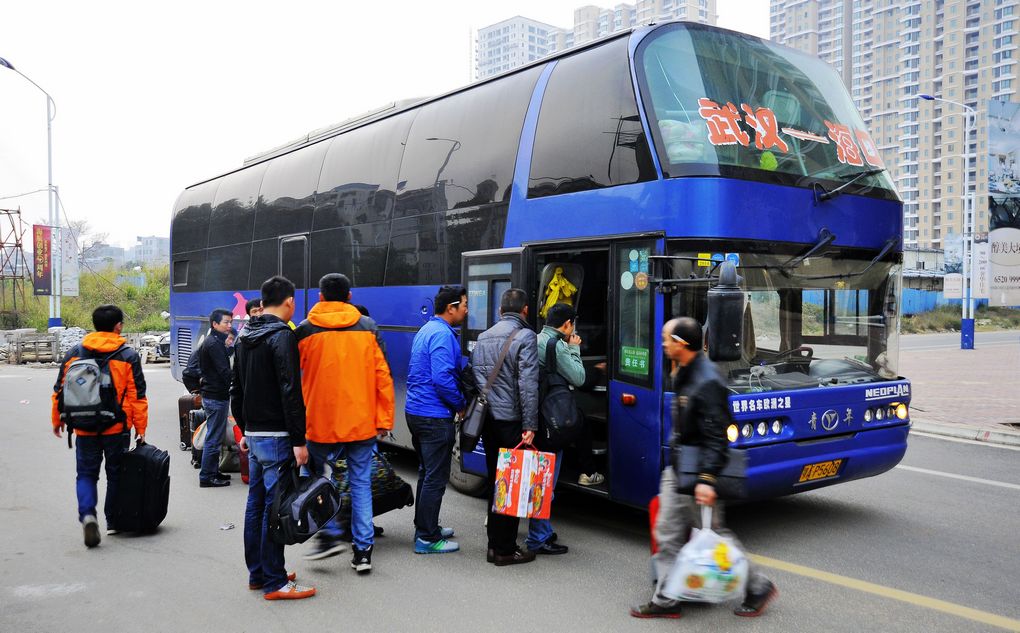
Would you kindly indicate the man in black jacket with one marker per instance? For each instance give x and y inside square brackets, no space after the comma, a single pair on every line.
[214,366]
[266,400]
[700,416]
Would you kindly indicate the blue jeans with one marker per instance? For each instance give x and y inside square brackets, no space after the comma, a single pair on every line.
[539,530]
[264,556]
[359,476]
[89,453]
[215,427]
[433,440]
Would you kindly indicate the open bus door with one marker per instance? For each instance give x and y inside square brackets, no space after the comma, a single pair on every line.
[487,275]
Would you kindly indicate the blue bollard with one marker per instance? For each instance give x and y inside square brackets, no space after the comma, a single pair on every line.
[967,334]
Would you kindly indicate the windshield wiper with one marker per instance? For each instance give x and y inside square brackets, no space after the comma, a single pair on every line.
[854,177]
[825,237]
[888,246]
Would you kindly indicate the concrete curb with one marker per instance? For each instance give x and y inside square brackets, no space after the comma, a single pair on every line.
[978,434]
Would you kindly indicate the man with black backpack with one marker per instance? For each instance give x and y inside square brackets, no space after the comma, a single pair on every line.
[100,395]
[558,332]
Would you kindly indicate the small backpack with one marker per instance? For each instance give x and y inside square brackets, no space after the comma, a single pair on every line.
[88,398]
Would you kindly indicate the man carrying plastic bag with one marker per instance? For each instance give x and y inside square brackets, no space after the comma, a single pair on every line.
[700,416]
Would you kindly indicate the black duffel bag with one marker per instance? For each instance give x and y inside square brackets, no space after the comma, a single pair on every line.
[302,505]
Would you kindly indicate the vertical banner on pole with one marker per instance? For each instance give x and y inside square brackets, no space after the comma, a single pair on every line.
[1004,203]
[42,252]
[69,270]
[980,280]
[952,283]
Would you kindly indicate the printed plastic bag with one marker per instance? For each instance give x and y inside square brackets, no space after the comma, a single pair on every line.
[709,568]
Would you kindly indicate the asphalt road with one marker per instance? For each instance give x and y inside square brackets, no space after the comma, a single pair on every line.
[914,342]
[917,549]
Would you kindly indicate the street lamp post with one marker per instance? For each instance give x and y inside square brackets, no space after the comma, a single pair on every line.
[967,307]
[53,217]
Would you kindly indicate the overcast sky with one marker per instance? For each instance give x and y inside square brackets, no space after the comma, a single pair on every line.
[150,100]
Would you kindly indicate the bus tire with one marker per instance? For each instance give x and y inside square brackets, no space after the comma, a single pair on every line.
[464,482]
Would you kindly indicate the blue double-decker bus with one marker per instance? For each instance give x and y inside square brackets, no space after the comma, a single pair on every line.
[625,177]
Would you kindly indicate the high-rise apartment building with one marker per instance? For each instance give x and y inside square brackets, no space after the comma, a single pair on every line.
[511,43]
[889,52]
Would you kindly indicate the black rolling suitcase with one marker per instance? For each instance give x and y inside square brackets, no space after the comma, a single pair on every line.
[186,404]
[144,489]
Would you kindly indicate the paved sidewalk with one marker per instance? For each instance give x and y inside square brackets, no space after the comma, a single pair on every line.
[970,394]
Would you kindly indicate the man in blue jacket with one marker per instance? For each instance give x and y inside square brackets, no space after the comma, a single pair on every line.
[433,399]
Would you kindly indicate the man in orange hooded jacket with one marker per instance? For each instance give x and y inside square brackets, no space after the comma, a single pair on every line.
[129,383]
[349,401]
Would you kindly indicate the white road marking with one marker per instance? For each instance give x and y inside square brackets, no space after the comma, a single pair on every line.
[960,440]
[977,480]
[46,591]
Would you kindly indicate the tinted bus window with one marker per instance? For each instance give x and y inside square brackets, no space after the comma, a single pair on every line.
[368,253]
[287,196]
[359,174]
[189,229]
[227,267]
[233,211]
[265,256]
[461,150]
[188,272]
[331,253]
[415,256]
[589,133]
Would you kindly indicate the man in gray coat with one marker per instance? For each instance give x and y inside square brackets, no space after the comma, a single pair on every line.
[513,408]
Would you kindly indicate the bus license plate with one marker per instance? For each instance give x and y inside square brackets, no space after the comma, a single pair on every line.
[821,470]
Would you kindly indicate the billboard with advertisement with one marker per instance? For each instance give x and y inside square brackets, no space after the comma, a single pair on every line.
[1004,203]
[42,260]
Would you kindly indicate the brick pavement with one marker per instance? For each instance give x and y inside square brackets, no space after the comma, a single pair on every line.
[971,390]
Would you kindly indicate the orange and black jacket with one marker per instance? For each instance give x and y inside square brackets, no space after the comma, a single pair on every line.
[128,380]
[345,379]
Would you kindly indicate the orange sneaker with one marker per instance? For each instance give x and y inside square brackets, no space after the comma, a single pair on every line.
[291,591]
[290,578]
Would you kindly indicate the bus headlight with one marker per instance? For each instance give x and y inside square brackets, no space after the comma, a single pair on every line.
[777,427]
[746,431]
[763,428]
[868,415]
[901,411]
[732,433]
[879,413]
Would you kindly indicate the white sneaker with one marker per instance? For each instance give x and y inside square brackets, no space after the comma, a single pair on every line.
[594,480]
[90,528]
[112,531]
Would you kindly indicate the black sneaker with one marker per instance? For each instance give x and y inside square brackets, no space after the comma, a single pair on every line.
[213,483]
[652,610]
[324,547]
[755,603]
[90,530]
[361,562]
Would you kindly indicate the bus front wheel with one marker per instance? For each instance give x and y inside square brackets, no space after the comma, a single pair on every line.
[465,482]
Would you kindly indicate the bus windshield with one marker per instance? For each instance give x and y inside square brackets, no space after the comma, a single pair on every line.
[816,322]
[723,103]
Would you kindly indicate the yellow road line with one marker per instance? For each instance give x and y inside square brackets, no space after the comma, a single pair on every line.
[888,592]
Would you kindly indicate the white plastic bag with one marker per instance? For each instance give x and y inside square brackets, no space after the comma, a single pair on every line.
[709,568]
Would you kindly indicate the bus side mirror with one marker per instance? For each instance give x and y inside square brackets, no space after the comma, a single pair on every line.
[725,316]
